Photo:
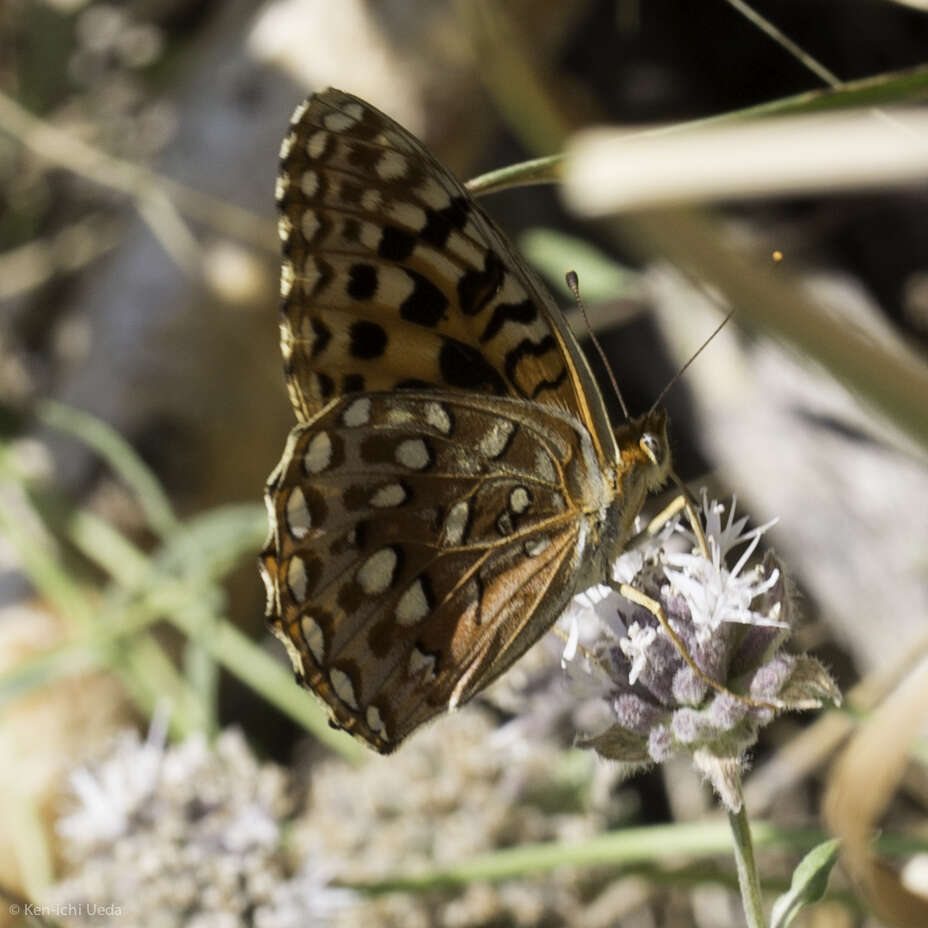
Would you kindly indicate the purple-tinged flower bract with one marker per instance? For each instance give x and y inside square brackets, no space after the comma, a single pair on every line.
[732,621]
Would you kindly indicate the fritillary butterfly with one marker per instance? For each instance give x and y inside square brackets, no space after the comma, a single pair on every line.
[454,479]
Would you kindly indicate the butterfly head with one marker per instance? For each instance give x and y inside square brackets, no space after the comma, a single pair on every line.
[645,448]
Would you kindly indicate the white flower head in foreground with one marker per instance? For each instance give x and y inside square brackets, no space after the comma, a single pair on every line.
[187,835]
[731,618]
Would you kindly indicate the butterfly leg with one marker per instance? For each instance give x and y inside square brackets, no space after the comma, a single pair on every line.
[656,524]
[664,516]
[689,504]
[683,501]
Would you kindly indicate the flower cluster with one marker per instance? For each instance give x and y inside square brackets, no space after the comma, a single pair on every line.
[187,835]
[708,677]
[456,790]
[204,836]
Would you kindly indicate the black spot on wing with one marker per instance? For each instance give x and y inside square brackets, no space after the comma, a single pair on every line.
[368,340]
[464,367]
[360,535]
[426,304]
[440,223]
[350,596]
[382,637]
[413,383]
[325,384]
[351,230]
[428,592]
[364,157]
[352,383]
[478,598]
[362,281]
[350,192]
[477,288]
[396,244]
[315,501]
[313,568]
[366,127]
[322,335]
[355,497]
[523,313]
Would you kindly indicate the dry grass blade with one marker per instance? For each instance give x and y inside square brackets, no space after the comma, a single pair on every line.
[861,786]
[608,170]
[887,375]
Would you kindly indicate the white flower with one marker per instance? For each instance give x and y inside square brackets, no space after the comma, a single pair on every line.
[701,688]
[305,899]
[122,784]
[713,593]
[251,827]
[190,834]
[635,648]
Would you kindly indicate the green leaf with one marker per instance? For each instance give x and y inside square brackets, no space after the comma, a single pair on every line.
[810,879]
[601,278]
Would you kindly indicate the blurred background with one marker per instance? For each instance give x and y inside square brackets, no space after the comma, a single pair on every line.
[142,406]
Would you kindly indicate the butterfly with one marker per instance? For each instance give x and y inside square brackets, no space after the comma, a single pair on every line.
[453,479]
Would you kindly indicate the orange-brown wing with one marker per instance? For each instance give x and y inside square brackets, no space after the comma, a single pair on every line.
[420,543]
[394,278]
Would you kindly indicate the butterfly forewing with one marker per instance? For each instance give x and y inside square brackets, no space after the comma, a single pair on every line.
[453,480]
[394,277]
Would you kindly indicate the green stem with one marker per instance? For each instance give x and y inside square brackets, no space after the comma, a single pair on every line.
[748,879]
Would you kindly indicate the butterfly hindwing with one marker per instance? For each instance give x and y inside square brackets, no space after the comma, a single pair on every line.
[420,543]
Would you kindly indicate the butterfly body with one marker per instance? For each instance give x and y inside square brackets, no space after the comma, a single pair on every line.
[453,480]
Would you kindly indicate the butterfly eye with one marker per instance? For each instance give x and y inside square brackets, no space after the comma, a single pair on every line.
[651,445]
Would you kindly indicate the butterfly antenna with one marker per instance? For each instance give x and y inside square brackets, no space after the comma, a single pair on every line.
[573,284]
[692,358]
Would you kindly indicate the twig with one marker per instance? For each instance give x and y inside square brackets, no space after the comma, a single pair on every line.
[160,200]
